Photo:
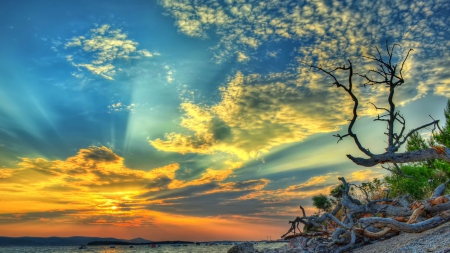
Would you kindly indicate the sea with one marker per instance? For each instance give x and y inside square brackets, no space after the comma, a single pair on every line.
[135,249]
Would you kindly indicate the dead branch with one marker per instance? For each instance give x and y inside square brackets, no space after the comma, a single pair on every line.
[407,157]
[409,228]
[415,215]
[373,235]
[440,190]
[437,200]
[349,91]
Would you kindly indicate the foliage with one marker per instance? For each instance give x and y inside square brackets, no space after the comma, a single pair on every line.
[337,191]
[374,190]
[443,136]
[419,187]
[322,203]
[427,175]
[416,142]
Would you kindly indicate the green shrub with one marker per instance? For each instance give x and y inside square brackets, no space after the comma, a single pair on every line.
[322,203]
[419,187]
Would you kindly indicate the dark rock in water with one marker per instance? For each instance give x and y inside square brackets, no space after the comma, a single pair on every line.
[245,247]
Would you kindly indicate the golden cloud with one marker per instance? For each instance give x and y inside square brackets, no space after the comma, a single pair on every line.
[313,186]
[97,185]
[254,115]
[364,175]
[91,178]
[249,185]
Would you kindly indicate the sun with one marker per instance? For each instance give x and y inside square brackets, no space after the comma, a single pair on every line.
[114,208]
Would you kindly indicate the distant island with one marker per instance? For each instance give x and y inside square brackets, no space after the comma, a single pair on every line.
[66,241]
[134,243]
[95,241]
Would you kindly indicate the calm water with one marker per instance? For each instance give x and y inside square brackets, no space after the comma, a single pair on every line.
[136,249]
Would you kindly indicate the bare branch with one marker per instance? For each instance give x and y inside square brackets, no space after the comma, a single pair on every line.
[303,211]
[407,157]
[409,228]
[398,171]
[354,99]
[378,108]
[435,123]
[439,191]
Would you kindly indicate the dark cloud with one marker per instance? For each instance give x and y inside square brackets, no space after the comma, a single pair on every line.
[99,154]
[211,205]
[220,130]
[159,182]
[180,192]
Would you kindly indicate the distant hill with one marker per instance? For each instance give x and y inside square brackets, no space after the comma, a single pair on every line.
[60,241]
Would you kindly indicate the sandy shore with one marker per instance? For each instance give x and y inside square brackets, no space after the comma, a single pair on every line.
[433,240]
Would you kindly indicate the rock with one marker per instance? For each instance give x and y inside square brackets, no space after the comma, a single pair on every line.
[298,242]
[284,249]
[245,247]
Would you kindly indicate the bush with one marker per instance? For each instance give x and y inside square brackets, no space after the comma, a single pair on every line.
[420,187]
[322,203]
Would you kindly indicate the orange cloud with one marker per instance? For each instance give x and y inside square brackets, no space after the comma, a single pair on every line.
[94,182]
[254,185]
[365,175]
[313,186]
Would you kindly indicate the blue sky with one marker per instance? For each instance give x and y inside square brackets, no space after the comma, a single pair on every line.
[120,114]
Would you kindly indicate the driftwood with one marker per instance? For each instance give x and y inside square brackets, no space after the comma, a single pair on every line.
[357,227]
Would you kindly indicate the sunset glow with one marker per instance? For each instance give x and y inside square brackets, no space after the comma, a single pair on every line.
[196,120]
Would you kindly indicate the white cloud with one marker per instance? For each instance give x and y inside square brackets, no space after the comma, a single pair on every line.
[334,30]
[241,57]
[101,47]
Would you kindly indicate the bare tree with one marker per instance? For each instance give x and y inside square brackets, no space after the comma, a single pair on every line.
[388,74]
[359,222]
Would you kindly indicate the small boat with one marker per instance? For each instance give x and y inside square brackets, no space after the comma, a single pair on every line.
[82,246]
[112,246]
[152,245]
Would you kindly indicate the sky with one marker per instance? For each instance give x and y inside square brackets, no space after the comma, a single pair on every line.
[196,119]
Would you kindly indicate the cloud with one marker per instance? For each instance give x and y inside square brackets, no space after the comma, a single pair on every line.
[249,185]
[118,107]
[336,29]
[95,182]
[365,175]
[169,76]
[96,168]
[241,57]
[313,186]
[100,48]
[254,115]
[326,33]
